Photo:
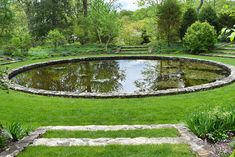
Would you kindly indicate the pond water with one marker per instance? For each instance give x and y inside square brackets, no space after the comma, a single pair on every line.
[120,76]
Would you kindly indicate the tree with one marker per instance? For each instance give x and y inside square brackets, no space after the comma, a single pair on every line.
[27,6]
[21,39]
[208,14]
[103,20]
[227,16]
[21,43]
[228,33]
[169,14]
[131,33]
[200,36]
[55,38]
[189,17]
[6,19]
[200,5]
[50,15]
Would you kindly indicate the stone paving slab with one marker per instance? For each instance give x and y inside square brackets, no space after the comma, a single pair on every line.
[186,137]
[109,127]
[55,142]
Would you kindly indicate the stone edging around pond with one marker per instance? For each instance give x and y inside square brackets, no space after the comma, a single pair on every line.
[218,83]
[197,145]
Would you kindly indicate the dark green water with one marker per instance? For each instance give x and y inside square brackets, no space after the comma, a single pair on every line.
[123,76]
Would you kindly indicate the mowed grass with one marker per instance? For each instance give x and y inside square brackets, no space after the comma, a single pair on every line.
[34,110]
[110,151]
[171,132]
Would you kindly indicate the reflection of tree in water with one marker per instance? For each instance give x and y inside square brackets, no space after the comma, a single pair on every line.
[43,78]
[99,76]
[151,74]
[161,75]
[86,76]
[196,74]
[168,74]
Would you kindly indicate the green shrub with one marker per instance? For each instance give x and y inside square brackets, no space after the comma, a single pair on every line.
[18,45]
[74,49]
[212,124]
[9,50]
[55,38]
[21,42]
[16,131]
[200,37]
[162,47]
[189,17]
[208,14]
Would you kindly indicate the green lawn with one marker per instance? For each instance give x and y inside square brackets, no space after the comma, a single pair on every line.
[110,151]
[113,134]
[34,111]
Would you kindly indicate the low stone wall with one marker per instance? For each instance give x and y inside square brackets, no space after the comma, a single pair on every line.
[218,83]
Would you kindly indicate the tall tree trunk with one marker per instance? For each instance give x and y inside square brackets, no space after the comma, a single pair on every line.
[85,7]
[98,34]
[107,43]
[201,4]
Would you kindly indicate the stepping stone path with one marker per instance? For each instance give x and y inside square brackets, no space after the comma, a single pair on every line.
[134,49]
[186,137]
[225,50]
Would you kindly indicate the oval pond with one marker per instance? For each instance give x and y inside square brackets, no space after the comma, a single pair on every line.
[120,76]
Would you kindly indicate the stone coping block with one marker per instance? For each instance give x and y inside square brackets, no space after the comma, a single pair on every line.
[218,83]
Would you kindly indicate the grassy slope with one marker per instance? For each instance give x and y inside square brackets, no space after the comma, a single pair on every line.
[34,110]
[111,151]
[113,134]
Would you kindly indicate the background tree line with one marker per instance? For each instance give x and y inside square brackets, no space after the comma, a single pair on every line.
[26,24]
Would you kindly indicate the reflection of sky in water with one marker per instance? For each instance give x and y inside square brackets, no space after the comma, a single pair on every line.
[133,71]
